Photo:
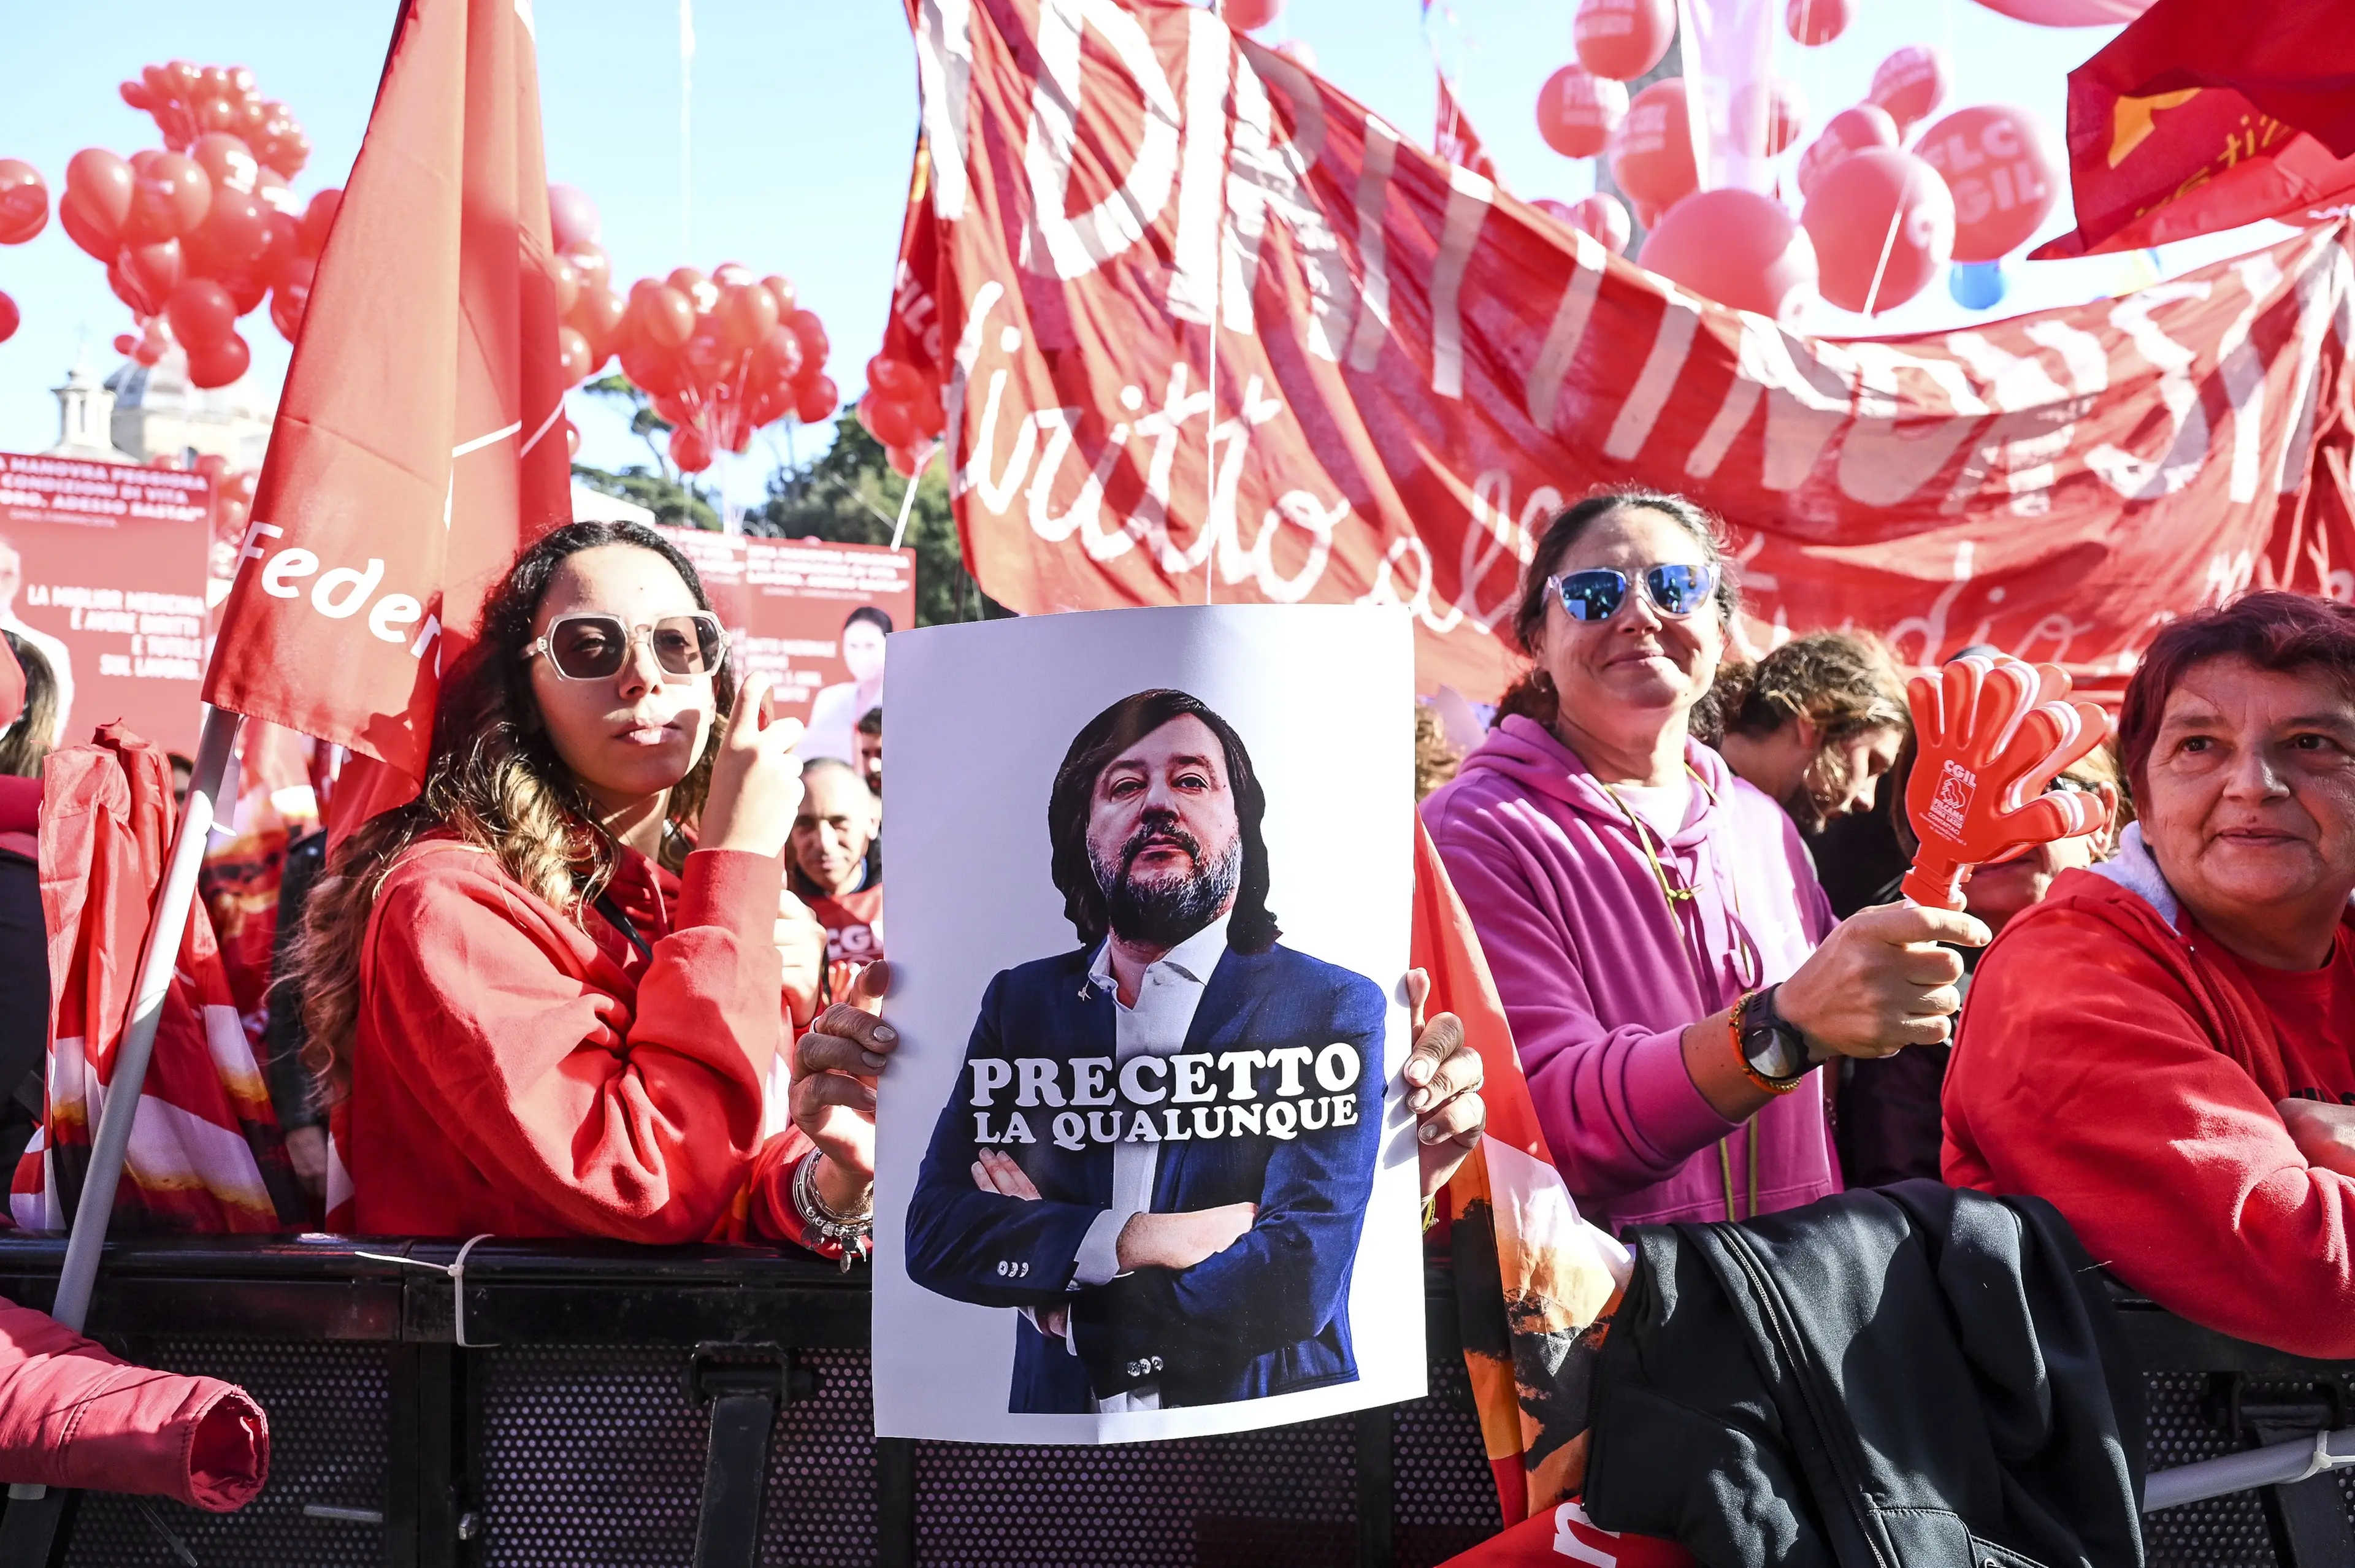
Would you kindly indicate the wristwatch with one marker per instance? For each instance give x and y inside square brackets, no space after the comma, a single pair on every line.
[1772,1052]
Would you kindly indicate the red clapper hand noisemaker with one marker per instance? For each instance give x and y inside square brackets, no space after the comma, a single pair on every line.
[1990,735]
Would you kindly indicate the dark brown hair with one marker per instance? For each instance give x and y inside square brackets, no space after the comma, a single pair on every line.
[1844,683]
[1534,698]
[1252,928]
[495,779]
[25,743]
[2273,630]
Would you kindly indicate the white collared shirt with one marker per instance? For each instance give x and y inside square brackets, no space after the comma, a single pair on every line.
[1168,996]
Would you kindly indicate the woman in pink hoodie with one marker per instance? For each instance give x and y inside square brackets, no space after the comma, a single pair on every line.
[1668,964]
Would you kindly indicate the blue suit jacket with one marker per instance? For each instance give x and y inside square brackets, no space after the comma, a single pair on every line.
[1270,1315]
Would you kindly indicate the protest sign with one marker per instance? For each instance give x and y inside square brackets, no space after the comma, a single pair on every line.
[103,570]
[792,611]
[1144,1165]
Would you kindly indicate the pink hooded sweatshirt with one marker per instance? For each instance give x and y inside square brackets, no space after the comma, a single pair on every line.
[1599,976]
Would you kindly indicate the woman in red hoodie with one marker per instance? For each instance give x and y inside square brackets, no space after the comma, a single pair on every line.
[2164,1046]
[545,992]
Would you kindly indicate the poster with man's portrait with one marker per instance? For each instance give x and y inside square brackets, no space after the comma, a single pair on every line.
[1145,1168]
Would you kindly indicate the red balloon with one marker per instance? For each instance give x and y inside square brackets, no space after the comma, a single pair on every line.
[1737,248]
[228,160]
[235,233]
[780,353]
[572,350]
[1768,116]
[212,465]
[2070,12]
[1577,111]
[903,462]
[1814,22]
[600,315]
[220,365]
[155,269]
[571,439]
[1912,83]
[1883,224]
[1849,131]
[2004,172]
[280,250]
[124,342]
[98,198]
[318,218]
[201,313]
[783,293]
[103,247]
[815,399]
[135,94]
[747,314]
[291,297]
[695,288]
[1251,15]
[1623,38]
[926,410]
[889,379]
[246,288]
[270,187]
[805,326]
[596,269]
[170,198]
[887,420]
[567,282]
[571,217]
[1602,216]
[1652,155]
[652,370]
[663,315]
[24,201]
[9,317]
[689,450]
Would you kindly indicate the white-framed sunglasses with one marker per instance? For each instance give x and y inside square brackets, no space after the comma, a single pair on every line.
[594,645]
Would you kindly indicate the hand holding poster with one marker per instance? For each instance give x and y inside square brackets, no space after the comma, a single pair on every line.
[1141,1167]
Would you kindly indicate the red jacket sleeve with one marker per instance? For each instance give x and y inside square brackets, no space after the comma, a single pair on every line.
[2086,1074]
[635,1118]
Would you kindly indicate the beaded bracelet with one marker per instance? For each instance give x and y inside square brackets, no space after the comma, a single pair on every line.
[851,1232]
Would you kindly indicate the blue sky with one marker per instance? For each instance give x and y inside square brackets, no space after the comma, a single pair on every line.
[803,114]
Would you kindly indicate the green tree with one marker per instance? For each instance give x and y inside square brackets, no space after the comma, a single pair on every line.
[661,489]
[852,496]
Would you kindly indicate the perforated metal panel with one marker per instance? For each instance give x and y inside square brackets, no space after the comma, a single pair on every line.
[1283,1498]
[1444,1496]
[329,1410]
[2223,1532]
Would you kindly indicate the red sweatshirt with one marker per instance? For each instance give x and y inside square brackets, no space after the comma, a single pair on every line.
[515,1075]
[2113,1060]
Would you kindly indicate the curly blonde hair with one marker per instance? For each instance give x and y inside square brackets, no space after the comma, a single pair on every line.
[494,780]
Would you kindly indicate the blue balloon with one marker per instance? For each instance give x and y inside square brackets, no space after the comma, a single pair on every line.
[1975,285]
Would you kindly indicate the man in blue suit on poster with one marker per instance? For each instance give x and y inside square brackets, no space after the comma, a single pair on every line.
[1162,1144]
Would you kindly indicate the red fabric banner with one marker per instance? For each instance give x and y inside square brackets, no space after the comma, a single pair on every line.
[2200,117]
[1455,140]
[419,440]
[1413,369]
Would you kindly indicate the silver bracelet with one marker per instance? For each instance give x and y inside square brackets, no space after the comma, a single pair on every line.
[851,1232]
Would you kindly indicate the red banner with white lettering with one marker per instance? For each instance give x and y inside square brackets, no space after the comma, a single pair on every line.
[419,441]
[102,571]
[1218,332]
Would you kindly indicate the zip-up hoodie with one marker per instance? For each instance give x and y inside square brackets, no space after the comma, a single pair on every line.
[2111,1060]
[1600,976]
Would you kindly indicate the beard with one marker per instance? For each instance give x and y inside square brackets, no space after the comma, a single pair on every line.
[1164,912]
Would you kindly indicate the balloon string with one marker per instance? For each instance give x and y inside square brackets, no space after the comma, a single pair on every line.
[1888,242]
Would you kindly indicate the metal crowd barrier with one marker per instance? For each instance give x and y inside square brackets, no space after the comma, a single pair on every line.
[594,1397]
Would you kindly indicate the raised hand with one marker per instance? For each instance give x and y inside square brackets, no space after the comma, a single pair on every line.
[1990,734]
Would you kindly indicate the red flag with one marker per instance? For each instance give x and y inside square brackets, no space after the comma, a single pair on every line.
[1411,370]
[204,1149]
[1455,140]
[2200,117]
[1563,1534]
[1535,1285]
[419,441]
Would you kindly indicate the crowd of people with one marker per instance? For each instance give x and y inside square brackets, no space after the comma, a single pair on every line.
[619,969]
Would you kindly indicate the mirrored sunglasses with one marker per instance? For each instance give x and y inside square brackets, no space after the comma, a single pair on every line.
[594,646]
[1596,595]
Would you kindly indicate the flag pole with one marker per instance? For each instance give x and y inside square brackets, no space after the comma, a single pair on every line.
[166,925]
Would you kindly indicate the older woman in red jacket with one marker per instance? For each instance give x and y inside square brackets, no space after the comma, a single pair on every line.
[545,997]
[2164,1047]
